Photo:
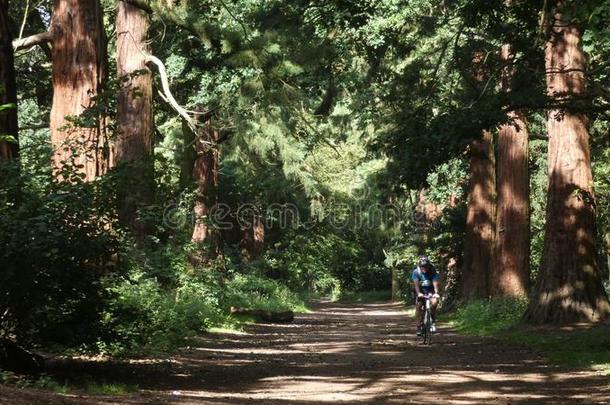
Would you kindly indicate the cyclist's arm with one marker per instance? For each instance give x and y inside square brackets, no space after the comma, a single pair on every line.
[417,284]
[437,286]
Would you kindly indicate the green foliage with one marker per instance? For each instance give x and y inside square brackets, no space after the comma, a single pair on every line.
[439,238]
[538,185]
[571,346]
[57,245]
[324,263]
[601,176]
[40,382]
[143,316]
[108,388]
[164,299]
[83,384]
[256,292]
[447,181]
[305,263]
[487,317]
[333,108]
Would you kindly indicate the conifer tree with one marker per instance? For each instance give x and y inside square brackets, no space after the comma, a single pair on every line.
[9,147]
[510,273]
[481,204]
[78,128]
[569,287]
[133,147]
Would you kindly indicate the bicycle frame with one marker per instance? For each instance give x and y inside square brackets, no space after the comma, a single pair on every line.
[427,332]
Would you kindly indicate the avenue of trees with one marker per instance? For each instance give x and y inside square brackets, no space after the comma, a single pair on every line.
[162,161]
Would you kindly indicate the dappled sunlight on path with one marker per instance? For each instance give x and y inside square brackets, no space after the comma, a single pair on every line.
[356,354]
[369,354]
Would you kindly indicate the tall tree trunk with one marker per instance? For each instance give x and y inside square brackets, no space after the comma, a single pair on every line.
[200,166]
[8,88]
[79,75]
[133,148]
[479,238]
[480,213]
[608,252]
[134,119]
[258,234]
[252,232]
[510,273]
[569,287]
[205,175]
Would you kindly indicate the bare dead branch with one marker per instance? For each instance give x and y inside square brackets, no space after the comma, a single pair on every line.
[32,40]
[168,94]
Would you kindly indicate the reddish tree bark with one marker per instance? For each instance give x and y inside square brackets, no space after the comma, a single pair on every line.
[134,118]
[205,175]
[510,273]
[569,287]
[8,87]
[607,237]
[200,165]
[258,235]
[133,147]
[479,237]
[79,75]
[253,236]
[480,214]
[427,212]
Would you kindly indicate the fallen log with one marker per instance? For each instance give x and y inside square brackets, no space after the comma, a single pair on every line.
[15,358]
[266,316]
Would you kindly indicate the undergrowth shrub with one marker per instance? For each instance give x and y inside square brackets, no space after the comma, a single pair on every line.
[164,299]
[324,263]
[143,316]
[486,317]
[58,242]
[257,292]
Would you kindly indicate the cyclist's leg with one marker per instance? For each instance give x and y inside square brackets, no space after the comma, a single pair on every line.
[419,311]
[433,305]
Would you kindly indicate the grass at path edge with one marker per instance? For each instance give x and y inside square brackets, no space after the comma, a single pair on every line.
[585,346]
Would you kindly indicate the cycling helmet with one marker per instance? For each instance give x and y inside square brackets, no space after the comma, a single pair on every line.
[423,261]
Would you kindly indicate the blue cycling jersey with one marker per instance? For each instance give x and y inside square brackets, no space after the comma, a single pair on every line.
[426,279]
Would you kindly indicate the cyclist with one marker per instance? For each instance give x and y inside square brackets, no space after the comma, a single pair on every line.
[425,282]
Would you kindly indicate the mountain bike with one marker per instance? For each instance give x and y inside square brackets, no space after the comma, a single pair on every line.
[427,321]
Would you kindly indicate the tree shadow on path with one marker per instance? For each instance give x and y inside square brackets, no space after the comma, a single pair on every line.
[363,353]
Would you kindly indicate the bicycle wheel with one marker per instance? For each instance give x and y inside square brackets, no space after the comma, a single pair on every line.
[427,328]
[424,334]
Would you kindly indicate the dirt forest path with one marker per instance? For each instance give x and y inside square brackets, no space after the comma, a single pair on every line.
[350,353]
